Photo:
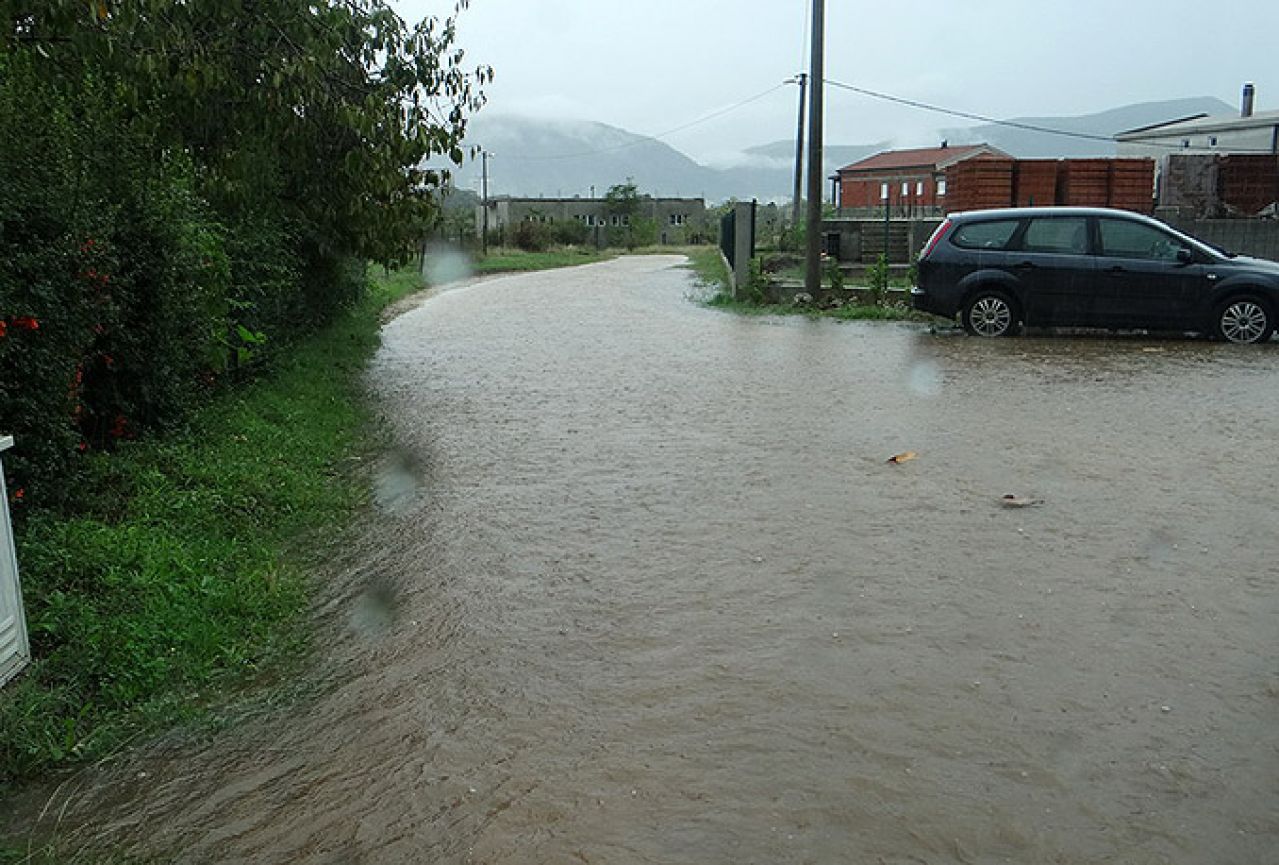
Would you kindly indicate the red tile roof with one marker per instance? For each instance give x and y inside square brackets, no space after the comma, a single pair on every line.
[927,157]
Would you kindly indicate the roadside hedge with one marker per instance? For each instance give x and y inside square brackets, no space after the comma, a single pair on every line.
[124,296]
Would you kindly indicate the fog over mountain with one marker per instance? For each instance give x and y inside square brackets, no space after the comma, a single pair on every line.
[532,157]
[1033,145]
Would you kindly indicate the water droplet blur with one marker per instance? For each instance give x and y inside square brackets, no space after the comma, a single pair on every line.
[925,378]
[444,264]
[396,483]
[374,610]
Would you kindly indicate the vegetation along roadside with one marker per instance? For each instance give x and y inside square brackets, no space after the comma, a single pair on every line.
[186,577]
[875,301]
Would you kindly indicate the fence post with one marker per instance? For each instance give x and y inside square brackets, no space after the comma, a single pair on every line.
[15,652]
[743,241]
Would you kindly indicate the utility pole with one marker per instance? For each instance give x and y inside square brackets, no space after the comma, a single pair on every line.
[813,272]
[484,198]
[796,205]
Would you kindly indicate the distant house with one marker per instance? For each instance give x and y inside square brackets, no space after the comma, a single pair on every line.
[675,217]
[905,182]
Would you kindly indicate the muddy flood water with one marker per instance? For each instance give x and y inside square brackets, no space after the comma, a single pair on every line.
[641,587]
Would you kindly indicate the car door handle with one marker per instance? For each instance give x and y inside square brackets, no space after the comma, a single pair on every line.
[1025,265]
[1116,269]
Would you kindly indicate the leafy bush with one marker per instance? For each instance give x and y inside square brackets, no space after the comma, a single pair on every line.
[571,232]
[532,236]
[113,281]
[877,280]
[834,275]
[172,215]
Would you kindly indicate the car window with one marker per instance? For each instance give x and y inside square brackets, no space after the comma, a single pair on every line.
[1120,238]
[985,235]
[1063,234]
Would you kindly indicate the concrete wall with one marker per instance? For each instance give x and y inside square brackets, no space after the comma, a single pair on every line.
[860,241]
[1256,237]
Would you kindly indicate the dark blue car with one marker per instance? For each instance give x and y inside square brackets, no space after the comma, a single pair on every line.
[1091,267]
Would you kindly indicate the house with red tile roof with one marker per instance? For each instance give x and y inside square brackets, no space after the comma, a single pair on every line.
[906,182]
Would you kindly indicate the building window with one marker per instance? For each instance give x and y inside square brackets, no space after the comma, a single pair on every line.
[678,219]
[883,192]
[1185,142]
[919,189]
[941,187]
[905,188]
[1212,141]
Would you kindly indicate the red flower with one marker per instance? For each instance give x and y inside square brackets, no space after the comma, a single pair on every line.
[120,426]
[19,494]
[87,245]
[25,322]
[3,327]
[82,447]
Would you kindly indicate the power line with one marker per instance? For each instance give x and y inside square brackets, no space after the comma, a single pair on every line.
[1013,124]
[645,139]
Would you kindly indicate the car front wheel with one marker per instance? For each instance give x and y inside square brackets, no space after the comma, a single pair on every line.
[990,314]
[1243,320]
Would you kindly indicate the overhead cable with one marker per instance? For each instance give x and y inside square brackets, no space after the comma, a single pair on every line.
[1013,124]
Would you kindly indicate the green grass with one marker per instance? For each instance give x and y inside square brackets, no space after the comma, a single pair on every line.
[184,578]
[707,263]
[848,312]
[504,260]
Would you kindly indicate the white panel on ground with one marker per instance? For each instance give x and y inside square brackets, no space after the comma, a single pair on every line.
[14,651]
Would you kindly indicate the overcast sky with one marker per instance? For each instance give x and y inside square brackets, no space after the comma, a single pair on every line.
[650,66]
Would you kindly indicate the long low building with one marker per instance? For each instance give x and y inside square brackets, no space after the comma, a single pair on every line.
[674,216]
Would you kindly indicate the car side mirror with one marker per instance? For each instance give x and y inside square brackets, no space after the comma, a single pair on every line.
[1185,256]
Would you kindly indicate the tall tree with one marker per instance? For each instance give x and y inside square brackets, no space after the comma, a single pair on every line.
[331,105]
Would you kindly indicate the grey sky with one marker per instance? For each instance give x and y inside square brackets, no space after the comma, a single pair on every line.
[652,65]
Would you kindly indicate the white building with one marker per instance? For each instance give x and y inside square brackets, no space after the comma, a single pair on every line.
[1248,133]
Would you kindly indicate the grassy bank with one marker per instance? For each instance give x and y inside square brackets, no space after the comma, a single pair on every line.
[509,260]
[185,576]
[710,269]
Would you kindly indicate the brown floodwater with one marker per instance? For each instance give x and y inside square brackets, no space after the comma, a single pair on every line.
[639,585]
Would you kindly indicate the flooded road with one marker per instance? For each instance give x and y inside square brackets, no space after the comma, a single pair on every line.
[641,587]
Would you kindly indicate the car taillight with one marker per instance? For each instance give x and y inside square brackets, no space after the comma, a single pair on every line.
[936,238]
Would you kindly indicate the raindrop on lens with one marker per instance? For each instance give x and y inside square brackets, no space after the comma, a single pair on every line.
[925,378]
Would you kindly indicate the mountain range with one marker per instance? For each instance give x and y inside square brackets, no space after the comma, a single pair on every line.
[566,158]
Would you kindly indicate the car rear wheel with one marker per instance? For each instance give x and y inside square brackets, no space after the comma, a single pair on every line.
[990,314]
[1244,320]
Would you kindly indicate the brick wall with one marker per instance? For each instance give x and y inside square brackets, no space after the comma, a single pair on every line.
[1128,184]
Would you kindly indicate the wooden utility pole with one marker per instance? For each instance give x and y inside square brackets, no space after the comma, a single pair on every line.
[816,75]
[796,202]
[484,199]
